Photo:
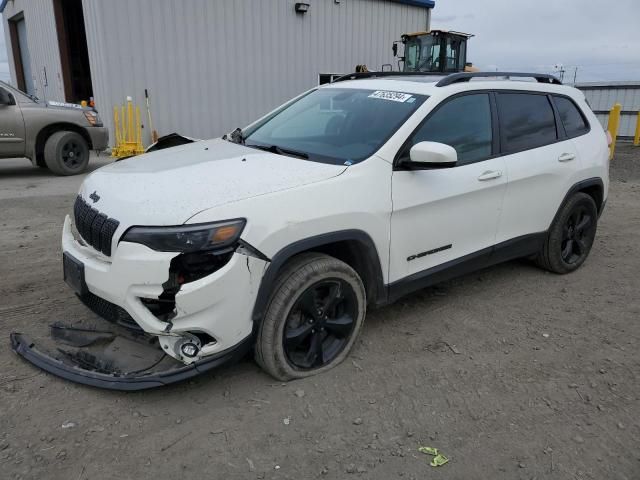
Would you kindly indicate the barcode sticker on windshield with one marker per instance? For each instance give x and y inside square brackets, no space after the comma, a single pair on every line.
[393,96]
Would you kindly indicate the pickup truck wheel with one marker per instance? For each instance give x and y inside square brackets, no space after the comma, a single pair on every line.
[66,153]
[314,317]
[571,235]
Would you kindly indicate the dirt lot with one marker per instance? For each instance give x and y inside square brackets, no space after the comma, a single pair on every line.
[512,372]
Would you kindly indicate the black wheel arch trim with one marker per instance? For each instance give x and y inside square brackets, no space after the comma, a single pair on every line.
[581,186]
[308,244]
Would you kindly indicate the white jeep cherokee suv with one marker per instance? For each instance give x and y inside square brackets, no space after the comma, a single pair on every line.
[279,236]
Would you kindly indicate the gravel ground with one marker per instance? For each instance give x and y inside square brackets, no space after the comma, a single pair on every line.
[513,373]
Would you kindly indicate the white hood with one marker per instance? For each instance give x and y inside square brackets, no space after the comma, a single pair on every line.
[170,186]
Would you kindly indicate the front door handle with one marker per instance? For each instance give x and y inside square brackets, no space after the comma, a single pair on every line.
[566,157]
[490,175]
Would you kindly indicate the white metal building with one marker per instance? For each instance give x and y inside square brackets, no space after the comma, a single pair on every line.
[209,65]
[602,96]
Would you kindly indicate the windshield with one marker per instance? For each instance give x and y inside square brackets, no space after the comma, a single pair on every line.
[19,93]
[335,125]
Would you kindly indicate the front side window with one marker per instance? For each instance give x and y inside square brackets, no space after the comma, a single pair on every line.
[573,121]
[335,125]
[463,123]
[526,121]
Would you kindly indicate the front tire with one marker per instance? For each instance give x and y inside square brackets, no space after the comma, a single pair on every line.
[66,153]
[315,314]
[571,235]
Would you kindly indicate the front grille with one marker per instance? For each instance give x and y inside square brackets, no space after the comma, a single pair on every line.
[109,311]
[94,227]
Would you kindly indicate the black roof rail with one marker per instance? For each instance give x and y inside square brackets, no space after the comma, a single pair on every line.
[362,75]
[466,76]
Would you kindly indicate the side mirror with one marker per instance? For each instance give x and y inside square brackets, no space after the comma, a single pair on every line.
[6,98]
[395,49]
[426,155]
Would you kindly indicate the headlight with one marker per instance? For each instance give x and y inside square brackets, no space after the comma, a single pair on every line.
[93,118]
[187,238]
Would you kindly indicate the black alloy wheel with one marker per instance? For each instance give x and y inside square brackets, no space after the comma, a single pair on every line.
[576,235]
[320,324]
[571,235]
[313,318]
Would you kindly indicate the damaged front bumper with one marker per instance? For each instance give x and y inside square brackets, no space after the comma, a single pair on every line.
[138,339]
[89,370]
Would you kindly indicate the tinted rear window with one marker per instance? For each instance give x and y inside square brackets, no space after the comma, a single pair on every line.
[573,121]
[526,121]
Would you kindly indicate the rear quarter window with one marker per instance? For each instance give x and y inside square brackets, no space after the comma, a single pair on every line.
[526,121]
[572,118]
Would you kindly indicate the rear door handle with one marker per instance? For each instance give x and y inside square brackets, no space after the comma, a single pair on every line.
[566,157]
[490,175]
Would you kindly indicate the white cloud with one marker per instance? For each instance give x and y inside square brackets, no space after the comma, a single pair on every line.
[602,40]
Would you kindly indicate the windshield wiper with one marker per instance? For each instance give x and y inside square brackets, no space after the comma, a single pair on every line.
[280,151]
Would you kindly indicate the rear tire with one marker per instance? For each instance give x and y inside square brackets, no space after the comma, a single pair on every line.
[315,314]
[571,235]
[66,153]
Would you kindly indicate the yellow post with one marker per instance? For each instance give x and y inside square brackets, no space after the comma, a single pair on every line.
[115,124]
[116,127]
[130,137]
[614,126]
[124,125]
[636,139]
[138,132]
[139,147]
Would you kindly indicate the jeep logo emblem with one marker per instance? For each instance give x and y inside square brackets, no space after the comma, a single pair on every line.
[95,197]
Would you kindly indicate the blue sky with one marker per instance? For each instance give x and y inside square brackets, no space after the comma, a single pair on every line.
[601,39]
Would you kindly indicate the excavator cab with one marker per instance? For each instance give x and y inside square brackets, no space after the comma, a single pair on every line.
[437,51]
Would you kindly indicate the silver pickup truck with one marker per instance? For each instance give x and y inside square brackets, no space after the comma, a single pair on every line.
[53,135]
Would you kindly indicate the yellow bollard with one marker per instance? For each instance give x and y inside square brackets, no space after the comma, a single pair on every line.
[636,139]
[614,127]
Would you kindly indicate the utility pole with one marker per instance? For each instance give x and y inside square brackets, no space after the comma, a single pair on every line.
[575,76]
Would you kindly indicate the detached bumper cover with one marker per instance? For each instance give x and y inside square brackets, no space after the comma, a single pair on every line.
[75,371]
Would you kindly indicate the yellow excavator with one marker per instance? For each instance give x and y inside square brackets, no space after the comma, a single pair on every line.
[436,51]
